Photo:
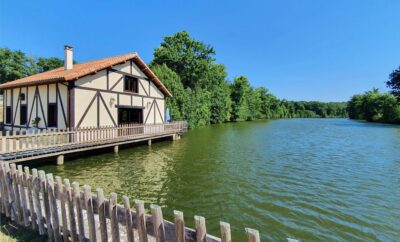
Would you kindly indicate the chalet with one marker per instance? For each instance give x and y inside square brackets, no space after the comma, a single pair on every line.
[112,91]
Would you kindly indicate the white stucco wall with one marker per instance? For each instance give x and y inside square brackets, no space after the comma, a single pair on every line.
[32,111]
[86,88]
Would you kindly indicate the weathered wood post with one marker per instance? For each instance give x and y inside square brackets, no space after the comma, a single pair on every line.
[60,160]
[225,232]
[114,217]
[252,235]
[77,202]
[179,226]
[128,219]
[53,208]
[201,231]
[101,208]
[38,206]
[47,211]
[60,196]
[116,149]
[87,194]
[69,198]
[141,220]
[158,223]
[24,200]
[29,190]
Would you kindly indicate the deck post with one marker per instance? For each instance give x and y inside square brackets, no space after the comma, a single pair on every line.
[149,142]
[176,137]
[116,149]
[60,160]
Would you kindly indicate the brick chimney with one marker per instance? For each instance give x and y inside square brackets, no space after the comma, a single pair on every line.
[68,57]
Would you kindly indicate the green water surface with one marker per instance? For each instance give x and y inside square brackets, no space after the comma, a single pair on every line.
[309,179]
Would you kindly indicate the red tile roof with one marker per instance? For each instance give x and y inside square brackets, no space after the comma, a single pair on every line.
[86,68]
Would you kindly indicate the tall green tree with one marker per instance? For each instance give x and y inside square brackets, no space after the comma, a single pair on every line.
[172,81]
[188,57]
[394,83]
[14,65]
[240,95]
[47,64]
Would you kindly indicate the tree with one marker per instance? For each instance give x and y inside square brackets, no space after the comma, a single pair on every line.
[14,65]
[374,106]
[173,82]
[394,83]
[188,57]
[240,94]
[46,64]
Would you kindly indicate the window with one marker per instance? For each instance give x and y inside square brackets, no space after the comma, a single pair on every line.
[22,115]
[52,115]
[8,114]
[131,84]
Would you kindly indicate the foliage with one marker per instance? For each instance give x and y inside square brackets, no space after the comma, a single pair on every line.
[240,95]
[36,121]
[189,58]
[47,64]
[16,64]
[374,106]
[394,83]
[204,93]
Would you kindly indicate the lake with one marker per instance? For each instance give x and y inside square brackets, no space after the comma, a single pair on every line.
[309,179]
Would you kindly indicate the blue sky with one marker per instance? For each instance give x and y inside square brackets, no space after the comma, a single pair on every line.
[322,50]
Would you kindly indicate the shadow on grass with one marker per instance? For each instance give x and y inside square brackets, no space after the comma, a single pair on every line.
[11,232]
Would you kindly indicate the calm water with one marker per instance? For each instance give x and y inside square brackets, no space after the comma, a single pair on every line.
[310,179]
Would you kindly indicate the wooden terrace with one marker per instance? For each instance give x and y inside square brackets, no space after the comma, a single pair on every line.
[19,147]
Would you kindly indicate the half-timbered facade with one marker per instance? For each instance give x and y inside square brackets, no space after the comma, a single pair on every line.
[111,91]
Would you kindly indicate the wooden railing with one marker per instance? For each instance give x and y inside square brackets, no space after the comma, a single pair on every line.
[21,141]
[65,213]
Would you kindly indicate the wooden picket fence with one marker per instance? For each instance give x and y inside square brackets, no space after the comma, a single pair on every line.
[22,141]
[65,213]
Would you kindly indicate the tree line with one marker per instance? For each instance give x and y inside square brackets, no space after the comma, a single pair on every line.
[374,106]
[202,93]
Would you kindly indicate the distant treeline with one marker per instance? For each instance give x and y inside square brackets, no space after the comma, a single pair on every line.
[374,106]
[202,92]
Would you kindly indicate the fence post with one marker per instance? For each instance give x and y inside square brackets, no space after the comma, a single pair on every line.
[61,198]
[29,189]
[252,235]
[78,206]
[179,226]
[201,231]
[16,197]
[141,220]
[43,188]
[158,223]
[128,219]
[36,198]
[53,208]
[225,232]
[114,217]
[102,214]
[87,194]
[5,191]
[71,213]
[23,196]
